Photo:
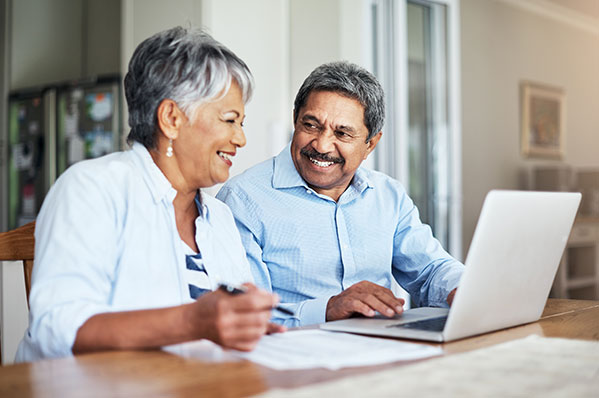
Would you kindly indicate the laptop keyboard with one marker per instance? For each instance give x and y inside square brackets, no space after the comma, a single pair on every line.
[432,324]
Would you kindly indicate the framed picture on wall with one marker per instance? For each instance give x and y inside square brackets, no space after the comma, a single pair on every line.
[543,117]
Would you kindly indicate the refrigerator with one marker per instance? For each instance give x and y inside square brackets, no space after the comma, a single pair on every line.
[31,162]
[52,128]
[88,120]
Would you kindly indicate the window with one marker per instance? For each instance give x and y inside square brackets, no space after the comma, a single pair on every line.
[416,58]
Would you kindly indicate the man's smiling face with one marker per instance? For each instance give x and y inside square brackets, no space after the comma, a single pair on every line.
[329,142]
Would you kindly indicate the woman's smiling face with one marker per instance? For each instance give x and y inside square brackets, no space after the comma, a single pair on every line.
[207,143]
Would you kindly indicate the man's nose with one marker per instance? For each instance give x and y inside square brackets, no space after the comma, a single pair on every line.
[325,141]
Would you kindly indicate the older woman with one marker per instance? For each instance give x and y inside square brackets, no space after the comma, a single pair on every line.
[128,252]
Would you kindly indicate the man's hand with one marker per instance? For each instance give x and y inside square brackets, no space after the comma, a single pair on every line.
[234,321]
[450,296]
[364,298]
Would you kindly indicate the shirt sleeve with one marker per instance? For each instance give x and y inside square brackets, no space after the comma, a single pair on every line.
[420,264]
[75,259]
[247,216]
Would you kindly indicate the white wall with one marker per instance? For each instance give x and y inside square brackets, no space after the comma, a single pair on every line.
[13,308]
[258,32]
[324,31]
[502,44]
[143,18]
[46,38]
[102,37]
[53,41]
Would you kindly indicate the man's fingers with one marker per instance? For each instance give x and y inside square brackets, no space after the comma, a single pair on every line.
[390,301]
[377,305]
[391,304]
[359,306]
[365,298]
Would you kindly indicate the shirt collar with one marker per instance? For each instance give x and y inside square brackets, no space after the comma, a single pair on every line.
[160,186]
[361,181]
[203,209]
[285,175]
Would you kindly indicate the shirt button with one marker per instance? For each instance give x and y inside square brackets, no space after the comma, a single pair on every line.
[308,191]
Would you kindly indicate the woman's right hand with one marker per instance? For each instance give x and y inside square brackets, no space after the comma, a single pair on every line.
[233,321]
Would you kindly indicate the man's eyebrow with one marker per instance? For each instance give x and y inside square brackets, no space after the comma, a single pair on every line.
[346,129]
[306,118]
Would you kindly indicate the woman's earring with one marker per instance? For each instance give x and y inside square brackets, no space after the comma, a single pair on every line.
[169,150]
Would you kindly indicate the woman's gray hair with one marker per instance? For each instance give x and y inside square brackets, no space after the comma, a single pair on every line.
[185,65]
[351,81]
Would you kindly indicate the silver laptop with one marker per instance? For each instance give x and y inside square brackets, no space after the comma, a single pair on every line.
[511,264]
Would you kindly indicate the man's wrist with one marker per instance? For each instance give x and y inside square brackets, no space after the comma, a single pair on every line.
[313,311]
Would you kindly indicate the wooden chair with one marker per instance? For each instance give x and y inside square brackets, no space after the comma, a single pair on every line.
[18,245]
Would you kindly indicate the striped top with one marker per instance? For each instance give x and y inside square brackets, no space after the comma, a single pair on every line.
[196,275]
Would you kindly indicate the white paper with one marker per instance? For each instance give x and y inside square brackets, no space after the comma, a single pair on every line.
[304,349]
[532,366]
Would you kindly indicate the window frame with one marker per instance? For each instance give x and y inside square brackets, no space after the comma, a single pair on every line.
[391,37]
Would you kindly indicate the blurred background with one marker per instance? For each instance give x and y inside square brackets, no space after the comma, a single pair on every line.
[481,94]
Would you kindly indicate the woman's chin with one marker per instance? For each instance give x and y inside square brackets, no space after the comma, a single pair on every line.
[216,181]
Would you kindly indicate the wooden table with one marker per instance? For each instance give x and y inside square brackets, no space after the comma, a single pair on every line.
[158,373]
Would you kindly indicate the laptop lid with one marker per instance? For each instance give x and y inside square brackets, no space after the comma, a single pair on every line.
[512,261]
[513,258]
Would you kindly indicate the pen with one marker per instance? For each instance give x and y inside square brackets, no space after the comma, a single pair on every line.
[242,289]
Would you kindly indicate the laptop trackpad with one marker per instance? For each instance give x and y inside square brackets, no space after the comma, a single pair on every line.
[417,314]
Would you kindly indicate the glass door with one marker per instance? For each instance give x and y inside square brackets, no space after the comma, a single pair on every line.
[428,124]
[416,57]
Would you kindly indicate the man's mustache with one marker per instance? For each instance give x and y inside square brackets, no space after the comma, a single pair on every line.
[322,157]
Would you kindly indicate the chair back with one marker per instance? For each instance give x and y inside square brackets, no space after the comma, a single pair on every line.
[18,245]
[15,245]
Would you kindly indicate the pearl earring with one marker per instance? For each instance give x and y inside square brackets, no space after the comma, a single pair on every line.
[169,150]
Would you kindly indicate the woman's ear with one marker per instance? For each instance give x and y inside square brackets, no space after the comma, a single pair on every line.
[170,118]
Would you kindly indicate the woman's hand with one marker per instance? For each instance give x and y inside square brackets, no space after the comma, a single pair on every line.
[233,321]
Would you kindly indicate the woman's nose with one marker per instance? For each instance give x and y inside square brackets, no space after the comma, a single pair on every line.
[239,138]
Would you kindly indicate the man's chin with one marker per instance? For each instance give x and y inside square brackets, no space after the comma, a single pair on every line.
[319,183]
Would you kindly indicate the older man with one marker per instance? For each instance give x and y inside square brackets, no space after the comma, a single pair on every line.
[326,234]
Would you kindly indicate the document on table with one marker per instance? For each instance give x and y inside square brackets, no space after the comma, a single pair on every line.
[304,349]
[532,366]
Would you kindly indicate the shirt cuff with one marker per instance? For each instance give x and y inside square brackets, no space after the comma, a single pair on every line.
[451,280]
[314,311]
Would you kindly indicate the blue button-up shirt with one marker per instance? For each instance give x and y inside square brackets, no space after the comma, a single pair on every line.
[306,247]
[106,240]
